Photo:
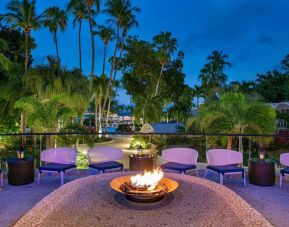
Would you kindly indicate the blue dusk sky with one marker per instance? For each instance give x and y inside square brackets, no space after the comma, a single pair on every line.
[254,33]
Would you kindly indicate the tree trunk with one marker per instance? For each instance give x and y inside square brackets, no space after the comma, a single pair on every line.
[111,71]
[95,114]
[81,121]
[27,34]
[79,44]
[47,142]
[104,59]
[23,126]
[159,80]
[229,143]
[92,49]
[23,115]
[114,77]
[100,116]
[34,139]
[56,44]
[50,141]
[119,58]
[241,144]
[107,114]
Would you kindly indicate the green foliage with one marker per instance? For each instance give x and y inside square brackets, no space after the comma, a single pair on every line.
[141,68]
[22,14]
[74,140]
[233,113]
[14,49]
[52,79]
[10,145]
[273,86]
[55,20]
[213,77]
[139,140]
[82,162]
[10,82]
[44,115]
[4,62]
[124,128]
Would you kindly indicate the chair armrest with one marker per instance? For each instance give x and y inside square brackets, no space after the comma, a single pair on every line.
[4,166]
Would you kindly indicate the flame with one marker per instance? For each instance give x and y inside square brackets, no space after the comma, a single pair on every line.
[148,179]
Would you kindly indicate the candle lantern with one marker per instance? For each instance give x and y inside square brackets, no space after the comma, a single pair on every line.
[139,150]
[20,153]
[262,155]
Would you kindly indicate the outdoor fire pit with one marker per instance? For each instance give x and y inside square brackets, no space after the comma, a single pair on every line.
[144,188]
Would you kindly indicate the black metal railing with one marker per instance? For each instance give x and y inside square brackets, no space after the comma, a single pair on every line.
[249,144]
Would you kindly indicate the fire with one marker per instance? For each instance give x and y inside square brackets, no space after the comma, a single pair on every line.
[148,179]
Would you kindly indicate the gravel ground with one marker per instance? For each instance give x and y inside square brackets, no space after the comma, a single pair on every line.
[271,202]
[91,202]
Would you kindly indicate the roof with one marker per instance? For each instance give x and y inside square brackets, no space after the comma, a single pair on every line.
[280,104]
[160,128]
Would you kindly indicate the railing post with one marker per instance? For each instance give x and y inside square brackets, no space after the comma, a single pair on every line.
[206,143]
[250,148]
[240,144]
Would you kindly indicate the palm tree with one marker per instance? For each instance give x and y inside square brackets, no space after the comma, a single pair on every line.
[121,14]
[23,15]
[234,113]
[129,22]
[46,81]
[149,108]
[90,4]
[99,86]
[166,45]
[77,8]
[56,19]
[45,115]
[106,35]
[245,87]
[212,75]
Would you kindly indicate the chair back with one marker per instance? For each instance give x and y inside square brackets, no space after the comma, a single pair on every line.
[180,155]
[103,154]
[284,159]
[60,155]
[220,157]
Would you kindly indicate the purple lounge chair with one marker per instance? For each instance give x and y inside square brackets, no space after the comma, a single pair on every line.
[223,161]
[180,159]
[104,158]
[284,160]
[58,160]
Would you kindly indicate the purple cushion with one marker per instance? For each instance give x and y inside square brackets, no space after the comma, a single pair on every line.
[226,169]
[178,166]
[56,167]
[106,165]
